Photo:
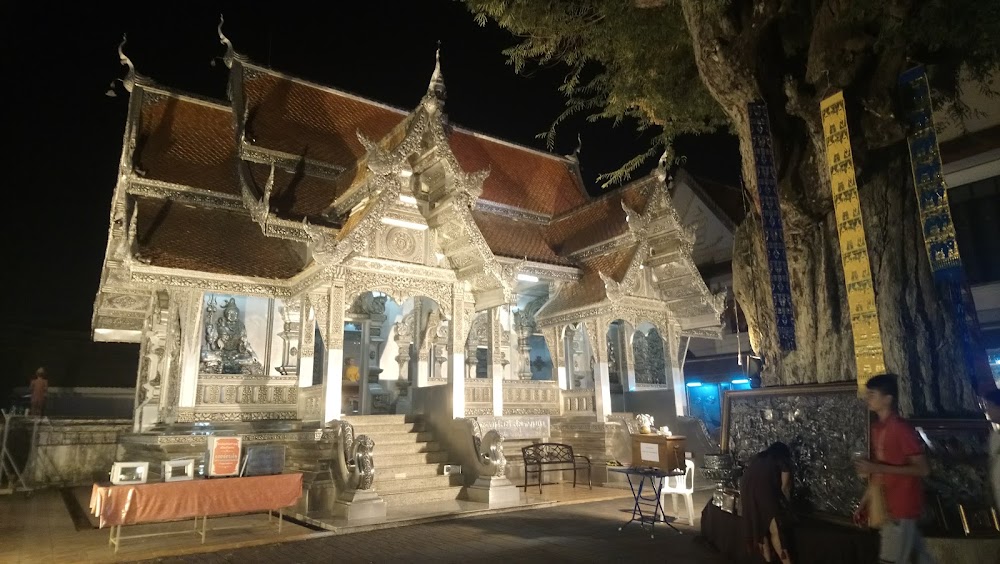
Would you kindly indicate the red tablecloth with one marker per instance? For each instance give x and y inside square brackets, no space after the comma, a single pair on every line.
[169,501]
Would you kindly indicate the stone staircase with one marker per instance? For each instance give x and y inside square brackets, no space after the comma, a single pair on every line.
[408,461]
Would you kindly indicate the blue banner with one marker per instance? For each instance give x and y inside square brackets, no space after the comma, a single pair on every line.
[774,235]
[938,229]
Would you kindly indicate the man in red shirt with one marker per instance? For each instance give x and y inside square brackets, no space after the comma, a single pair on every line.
[899,465]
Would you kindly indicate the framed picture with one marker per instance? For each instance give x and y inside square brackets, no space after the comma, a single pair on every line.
[178,470]
[263,460]
[123,473]
[825,425]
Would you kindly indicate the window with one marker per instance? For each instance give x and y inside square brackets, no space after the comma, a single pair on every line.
[975,209]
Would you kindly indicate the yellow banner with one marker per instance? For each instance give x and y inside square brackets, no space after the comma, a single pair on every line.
[853,246]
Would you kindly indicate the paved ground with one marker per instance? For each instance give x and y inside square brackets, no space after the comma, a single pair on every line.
[585,532]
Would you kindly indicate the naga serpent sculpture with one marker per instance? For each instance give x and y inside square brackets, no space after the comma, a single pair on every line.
[357,467]
[489,451]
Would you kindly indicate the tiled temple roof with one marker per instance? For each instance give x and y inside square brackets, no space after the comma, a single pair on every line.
[596,221]
[589,290]
[175,235]
[297,195]
[519,177]
[185,142]
[194,144]
[514,238]
[301,119]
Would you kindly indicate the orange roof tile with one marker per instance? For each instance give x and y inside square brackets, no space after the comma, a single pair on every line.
[175,235]
[519,177]
[597,221]
[297,118]
[185,142]
[590,289]
[509,237]
[297,195]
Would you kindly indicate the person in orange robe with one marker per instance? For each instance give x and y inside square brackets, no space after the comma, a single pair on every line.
[39,388]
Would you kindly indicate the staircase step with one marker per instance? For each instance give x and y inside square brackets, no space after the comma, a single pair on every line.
[383,428]
[390,460]
[421,496]
[406,448]
[398,438]
[379,419]
[405,472]
[416,484]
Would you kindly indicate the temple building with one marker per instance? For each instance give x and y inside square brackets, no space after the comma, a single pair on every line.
[300,253]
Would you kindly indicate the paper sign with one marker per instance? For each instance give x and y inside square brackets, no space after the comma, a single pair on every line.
[649,451]
[224,453]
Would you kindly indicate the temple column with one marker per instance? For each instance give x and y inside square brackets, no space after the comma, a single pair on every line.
[628,371]
[567,374]
[675,353]
[307,345]
[456,340]
[524,330]
[556,353]
[190,308]
[420,356]
[333,375]
[495,368]
[598,328]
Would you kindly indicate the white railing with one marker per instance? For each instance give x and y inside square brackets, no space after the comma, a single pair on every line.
[578,402]
[531,397]
[311,403]
[478,397]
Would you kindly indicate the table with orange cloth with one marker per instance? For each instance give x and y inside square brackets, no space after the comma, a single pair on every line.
[132,504]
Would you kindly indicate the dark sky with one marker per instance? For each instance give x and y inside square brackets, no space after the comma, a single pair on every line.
[64,134]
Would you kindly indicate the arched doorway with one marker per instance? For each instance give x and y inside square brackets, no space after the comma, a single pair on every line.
[647,350]
[619,350]
[390,346]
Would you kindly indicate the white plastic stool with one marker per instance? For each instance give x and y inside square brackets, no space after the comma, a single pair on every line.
[674,487]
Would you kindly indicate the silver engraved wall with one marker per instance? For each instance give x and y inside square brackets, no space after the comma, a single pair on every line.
[823,425]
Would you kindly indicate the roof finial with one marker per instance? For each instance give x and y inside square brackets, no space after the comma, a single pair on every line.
[666,163]
[436,86]
[129,80]
[575,155]
[227,59]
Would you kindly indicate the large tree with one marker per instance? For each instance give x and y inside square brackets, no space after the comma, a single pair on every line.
[687,66]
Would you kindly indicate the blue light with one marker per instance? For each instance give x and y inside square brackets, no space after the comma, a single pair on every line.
[741,381]
[693,384]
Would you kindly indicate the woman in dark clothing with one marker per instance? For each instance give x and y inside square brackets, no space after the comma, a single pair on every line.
[765,494]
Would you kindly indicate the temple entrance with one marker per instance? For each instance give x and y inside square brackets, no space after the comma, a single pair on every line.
[650,362]
[619,365]
[388,348]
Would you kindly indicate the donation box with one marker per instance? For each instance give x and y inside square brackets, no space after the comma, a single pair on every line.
[658,451]
[223,456]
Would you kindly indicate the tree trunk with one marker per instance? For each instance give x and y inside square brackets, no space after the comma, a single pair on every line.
[918,335]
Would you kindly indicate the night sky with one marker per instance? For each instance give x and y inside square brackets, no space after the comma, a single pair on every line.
[64,134]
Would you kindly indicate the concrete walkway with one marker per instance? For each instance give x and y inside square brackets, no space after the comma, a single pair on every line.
[583,532]
[563,524]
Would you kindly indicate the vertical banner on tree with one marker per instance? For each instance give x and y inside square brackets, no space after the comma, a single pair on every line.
[935,219]
[853,245]
[774,235]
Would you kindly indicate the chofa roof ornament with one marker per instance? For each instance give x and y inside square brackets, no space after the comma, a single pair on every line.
[227,59]
[436,93]
[130,77]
